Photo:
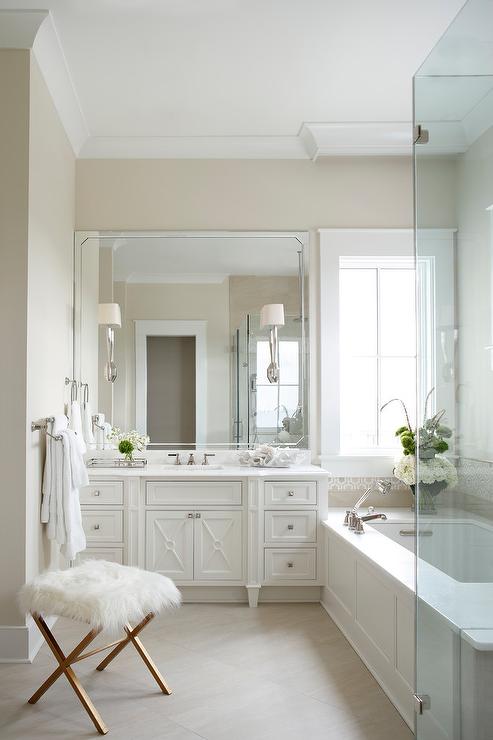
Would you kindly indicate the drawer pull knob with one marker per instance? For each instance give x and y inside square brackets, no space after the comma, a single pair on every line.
[290,564]
[190,515]
[96,526]
[197,516]
[290,526]
[290,493]
[97,493]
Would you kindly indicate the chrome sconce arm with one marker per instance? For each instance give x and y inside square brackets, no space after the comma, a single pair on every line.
[272,315]
[110,317]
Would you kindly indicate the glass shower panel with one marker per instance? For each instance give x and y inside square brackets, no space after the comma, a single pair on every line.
[453,97]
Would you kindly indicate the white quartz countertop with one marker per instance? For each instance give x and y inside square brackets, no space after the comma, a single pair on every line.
[463,605]
[185,472]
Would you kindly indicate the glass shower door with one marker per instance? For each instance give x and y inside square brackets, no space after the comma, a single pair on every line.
[453,96]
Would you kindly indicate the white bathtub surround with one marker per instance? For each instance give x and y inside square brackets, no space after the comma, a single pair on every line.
[370,594]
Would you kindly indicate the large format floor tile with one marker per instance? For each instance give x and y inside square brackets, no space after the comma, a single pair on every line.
[279,672]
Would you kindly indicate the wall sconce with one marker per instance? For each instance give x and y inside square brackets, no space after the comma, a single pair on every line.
[272,315]
[110,317]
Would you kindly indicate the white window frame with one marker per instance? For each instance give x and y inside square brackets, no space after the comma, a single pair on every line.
[266,431]
[436,264]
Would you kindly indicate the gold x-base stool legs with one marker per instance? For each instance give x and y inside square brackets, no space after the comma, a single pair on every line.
[65,662]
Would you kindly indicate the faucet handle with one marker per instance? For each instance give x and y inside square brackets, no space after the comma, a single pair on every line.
[205,461]
[359,529]
[191,459]
[346,518]
[176,455]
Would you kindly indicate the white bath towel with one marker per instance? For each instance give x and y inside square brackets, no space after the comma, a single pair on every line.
[74,476]
[75,424]
[87,424]
[52,478]
[64,474]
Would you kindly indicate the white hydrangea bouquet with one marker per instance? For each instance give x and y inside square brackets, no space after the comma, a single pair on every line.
[128,442]
[435,472]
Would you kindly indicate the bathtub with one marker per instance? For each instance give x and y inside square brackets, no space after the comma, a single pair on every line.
[370,594]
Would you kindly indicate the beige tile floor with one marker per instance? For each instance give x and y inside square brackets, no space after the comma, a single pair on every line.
[279,672]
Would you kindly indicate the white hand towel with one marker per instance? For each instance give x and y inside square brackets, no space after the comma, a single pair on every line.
[74,475]
[52,477]
[76,425]
[87,424]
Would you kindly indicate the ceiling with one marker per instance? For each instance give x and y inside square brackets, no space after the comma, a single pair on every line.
[235,77]
[174,258]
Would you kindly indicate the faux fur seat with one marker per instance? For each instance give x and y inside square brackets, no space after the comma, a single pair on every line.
[105,596]
[102,594]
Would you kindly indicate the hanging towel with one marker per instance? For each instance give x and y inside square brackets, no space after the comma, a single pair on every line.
[87,424]
[52,478]
[74,476]
[75,425]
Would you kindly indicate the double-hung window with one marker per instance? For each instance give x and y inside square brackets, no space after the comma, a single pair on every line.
[368,340]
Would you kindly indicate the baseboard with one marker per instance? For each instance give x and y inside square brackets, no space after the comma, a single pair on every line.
[239,595]
[21,643]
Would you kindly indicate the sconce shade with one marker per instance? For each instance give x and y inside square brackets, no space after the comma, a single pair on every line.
[272,315]
[109,315]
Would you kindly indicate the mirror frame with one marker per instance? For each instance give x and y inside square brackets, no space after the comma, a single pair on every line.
[302,237]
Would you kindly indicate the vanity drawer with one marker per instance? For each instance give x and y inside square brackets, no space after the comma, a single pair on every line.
[290,565]
[103,526]
[280,493]
[112,554]
[102,492]
[193,493]
[290,526]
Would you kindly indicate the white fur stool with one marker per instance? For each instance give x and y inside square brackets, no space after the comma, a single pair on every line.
[107,596]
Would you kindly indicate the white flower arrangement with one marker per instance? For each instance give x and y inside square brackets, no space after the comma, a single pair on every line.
[435,470]
[138,441]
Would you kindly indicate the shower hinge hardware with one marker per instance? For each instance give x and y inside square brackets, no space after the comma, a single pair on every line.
[421,702]
[421,135]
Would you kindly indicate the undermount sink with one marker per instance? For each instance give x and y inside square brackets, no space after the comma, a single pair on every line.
[190,468]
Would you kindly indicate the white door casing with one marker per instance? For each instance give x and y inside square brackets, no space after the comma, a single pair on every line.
[165,328]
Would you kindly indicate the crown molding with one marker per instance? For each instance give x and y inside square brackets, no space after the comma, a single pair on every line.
[35,30]
[18,28]
[356,139]
[193,147]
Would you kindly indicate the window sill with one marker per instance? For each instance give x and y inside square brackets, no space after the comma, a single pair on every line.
[359,466]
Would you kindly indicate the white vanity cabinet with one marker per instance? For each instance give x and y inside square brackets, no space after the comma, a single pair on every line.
[212,534]
[195,545]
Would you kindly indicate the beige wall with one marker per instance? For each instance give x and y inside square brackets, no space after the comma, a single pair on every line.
[51,224]
[248,293]
[261,195]
[37,187]
[14,178]
[244,194]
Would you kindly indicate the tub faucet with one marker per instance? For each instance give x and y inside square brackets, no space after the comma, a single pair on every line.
[352,520]
[380,486]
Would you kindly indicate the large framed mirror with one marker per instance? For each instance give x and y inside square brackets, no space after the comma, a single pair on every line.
[174,333]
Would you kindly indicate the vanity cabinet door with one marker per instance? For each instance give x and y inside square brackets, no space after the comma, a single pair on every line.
[169,543]
[218,545]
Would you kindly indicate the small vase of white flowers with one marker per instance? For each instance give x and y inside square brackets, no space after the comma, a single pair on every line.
[429,468]
[128,442]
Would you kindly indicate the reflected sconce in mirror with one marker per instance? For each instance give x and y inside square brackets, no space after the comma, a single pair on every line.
[272,315]
[110,317]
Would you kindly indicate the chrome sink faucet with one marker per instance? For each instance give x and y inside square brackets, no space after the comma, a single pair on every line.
[191,459]
[176,455]
[205,461]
